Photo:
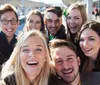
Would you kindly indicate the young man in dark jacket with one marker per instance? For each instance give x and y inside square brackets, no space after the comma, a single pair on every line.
[8,23]
[53,21]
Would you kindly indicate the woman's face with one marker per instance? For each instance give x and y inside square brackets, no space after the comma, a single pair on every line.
[34,22]
[74,20]
[90,43]
[32,56]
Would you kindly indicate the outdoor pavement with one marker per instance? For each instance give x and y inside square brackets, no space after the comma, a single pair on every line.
[98,18]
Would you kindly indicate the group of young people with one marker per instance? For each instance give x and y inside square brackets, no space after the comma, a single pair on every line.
[47,53]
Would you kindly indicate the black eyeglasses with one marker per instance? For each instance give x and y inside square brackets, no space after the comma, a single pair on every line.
[5,22]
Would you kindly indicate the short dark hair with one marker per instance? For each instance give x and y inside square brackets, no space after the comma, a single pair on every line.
[56,10]
[55,43]
[7,7]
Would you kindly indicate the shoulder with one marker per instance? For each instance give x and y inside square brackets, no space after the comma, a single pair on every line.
[10,80]
[54,80]
[90,78]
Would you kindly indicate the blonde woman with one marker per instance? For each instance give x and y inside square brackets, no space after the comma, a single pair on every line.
[29,62]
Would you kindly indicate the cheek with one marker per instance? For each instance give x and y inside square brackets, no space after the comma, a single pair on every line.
[80,23]
[39,26]
[67,22]
[48,24]
[23,58]
[57,68]
[80,44]
[41,58]
[22,61]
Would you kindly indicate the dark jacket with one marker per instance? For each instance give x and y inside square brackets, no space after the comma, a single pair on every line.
[90,78]
[86,78]
[55,80]
[10,80]
[61,34]
[6,48]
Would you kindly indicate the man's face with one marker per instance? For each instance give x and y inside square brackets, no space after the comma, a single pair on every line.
[53,22]
[9,23]
[66,63]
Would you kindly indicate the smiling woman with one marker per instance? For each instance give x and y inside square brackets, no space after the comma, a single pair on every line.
[89,42]
[29,62]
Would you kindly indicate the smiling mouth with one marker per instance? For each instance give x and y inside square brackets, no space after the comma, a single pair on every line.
[67,71]
[32,63]
[9,30]
[87,50]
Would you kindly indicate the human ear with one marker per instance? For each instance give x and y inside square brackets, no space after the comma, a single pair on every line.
[79,61]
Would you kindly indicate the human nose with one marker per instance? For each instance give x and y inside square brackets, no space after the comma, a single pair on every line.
[53,24]
[72,20]
[33,24]
[66,65]
[9,23]
[31,54]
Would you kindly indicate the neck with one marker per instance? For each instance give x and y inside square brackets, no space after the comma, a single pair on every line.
[77,80]
[9,39]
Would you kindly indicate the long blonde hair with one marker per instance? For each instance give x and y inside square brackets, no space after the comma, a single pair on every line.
[13,65]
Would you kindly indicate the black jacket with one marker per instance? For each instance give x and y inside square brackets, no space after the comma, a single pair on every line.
[55,80]
[90,78]
[10,80]
[6,48]
[86,78]
[61,34]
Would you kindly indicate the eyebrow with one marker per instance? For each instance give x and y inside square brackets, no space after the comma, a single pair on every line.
[70,55]
[88,37]
[91,36]
[28,46]
[10,19]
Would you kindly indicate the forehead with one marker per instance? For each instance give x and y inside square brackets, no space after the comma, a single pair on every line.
[34,40]
[51,15]
[34,16]
[8,14]
[74,12]
[89,32]
[63,52]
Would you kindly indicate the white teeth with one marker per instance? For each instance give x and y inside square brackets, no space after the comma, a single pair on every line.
[53,29]
[68,71]
[9,30]
[31,62]
[87,49]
